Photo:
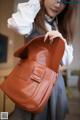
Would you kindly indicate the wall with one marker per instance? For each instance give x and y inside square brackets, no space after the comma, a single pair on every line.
[76,44]
[14,42]
[75,65]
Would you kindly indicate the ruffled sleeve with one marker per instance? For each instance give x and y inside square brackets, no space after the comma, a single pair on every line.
[22,20]
[68,55]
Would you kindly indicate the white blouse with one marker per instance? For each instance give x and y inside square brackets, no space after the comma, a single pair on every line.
[22,22]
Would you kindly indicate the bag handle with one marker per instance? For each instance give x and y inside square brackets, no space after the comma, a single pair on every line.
[56,49]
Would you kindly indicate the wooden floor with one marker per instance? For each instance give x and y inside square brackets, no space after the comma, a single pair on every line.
[74,105]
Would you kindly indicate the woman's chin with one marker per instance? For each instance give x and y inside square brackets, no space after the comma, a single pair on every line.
[52,15]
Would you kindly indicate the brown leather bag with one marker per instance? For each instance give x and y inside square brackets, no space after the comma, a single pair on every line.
[30,83]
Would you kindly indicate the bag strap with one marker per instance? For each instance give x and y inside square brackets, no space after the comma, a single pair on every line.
[57,51]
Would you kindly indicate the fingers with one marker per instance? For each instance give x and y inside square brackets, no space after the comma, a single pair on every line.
[51,40]
[46,36]
[53,34]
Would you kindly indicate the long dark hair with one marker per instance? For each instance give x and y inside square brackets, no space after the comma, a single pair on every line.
[66,20]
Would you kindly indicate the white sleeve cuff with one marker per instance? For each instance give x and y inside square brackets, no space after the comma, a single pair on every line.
[68,55]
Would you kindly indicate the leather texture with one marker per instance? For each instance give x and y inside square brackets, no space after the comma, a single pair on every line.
[31,81]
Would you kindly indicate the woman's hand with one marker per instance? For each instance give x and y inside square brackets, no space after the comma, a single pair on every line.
[53,34]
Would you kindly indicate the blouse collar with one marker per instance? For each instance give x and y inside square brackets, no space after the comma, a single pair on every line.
[51,23]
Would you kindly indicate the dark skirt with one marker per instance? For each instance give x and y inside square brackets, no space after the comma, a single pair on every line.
[56,108]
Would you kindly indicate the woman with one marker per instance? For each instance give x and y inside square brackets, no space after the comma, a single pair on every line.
[54,19]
